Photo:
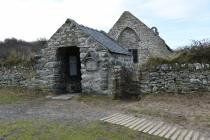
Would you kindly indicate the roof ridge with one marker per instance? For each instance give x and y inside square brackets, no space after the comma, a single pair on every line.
[88,27]
[103,32]
[101,37]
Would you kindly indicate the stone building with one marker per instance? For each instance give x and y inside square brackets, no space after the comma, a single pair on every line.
[139,39]
[81,59]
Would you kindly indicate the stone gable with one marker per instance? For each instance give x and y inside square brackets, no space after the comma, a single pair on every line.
[131,33]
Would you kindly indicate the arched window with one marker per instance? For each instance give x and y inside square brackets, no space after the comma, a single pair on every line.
[129,39]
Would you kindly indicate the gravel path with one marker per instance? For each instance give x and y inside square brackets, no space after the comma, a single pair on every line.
[53,110]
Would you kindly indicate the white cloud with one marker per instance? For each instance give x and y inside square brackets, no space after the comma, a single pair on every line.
[31,19]
[171,9]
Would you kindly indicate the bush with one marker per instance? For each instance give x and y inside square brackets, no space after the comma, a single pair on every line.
[15,51]
[12,59]
[197,52]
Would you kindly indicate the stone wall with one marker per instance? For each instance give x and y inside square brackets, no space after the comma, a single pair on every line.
[95,69]
[122,60]
[99,80]
[19,76]
[178,78]
[123,85]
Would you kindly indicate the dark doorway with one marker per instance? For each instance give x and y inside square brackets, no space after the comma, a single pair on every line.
[70,65]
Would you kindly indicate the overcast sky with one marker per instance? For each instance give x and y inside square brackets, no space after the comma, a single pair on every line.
[178,21]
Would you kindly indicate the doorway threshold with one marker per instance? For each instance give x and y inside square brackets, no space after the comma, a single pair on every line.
[63,96]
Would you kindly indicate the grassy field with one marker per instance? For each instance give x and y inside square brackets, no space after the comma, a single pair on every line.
[42,130]
[191,111]
[17,95]
[187,110]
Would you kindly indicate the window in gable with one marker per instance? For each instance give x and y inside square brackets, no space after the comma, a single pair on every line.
[134,53]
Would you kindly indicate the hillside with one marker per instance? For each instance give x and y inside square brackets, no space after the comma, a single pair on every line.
[14,51]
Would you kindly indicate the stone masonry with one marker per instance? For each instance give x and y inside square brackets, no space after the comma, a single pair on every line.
[131,33]
[177,78]
[96,60]
[82,59]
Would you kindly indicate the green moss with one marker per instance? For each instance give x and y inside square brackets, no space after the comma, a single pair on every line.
[29,75]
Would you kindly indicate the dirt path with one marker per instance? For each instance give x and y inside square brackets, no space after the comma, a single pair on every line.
[188,111]
[55,110]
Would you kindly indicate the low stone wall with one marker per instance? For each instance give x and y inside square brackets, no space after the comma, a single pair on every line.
[178,78]
[123,85]
[18,76]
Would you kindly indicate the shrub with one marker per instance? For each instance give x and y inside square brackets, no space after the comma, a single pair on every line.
[15,51]
[197,52]
[12,59]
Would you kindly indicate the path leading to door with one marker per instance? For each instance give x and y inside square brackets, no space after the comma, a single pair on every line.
[162,129]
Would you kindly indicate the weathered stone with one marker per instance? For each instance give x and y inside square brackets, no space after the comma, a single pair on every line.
[131,33]
[207,66]
[208,76]
[184,79]
[195,81]
[198,66]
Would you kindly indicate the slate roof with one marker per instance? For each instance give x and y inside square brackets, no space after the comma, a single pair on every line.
[106,41]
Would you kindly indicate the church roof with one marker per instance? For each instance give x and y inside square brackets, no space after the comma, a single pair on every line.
[105,40]
[102,38]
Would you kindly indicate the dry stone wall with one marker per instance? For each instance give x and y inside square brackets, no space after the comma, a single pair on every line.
[123,86]
[19,76]
[178,78]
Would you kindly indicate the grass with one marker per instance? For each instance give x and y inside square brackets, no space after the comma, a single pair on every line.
[203,119]
[191,110]
[43,130]
[48,130]
[169,117]
[14,58]
[17,95]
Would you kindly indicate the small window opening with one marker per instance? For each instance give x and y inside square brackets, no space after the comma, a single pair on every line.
[134,53]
